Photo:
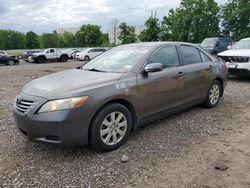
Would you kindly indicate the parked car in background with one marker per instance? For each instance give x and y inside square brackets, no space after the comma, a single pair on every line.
[216,45]
[100,102]
[89,53]
[50,54]
[74,53]
[71,52]
[27,54]
[3,53]
[238,58]
[8,60]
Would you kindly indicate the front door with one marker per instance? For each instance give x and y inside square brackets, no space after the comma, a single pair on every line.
[163,90]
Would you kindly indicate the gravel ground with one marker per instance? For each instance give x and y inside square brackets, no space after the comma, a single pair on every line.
[178,151]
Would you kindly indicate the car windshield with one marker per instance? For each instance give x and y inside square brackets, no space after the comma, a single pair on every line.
[210,42]
[119,59]
[243,44]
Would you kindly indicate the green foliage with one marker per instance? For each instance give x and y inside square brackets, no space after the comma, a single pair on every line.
[69,39]
[31,40]
[105,40]
[11,40]
[89,35]
[49,40]
[127,34]
[236,19]
[151,33]
[193,21]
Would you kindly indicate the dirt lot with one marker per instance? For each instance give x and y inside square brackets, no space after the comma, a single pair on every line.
[178,151]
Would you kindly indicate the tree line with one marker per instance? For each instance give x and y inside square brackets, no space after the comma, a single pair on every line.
[192,21]
[88,35]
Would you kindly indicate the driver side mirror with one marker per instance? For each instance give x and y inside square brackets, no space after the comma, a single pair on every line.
[154,67]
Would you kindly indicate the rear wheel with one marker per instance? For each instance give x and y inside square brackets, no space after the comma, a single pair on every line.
[41,59]
[63,58]
[110,127]
[214,94]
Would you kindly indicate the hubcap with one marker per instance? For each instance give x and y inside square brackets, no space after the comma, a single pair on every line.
[214,94]
[11,62]
[113,128]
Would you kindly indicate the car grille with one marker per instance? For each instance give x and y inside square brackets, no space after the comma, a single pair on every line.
[23,105]
[236,59]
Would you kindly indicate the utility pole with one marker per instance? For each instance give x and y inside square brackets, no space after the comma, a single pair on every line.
[114,25]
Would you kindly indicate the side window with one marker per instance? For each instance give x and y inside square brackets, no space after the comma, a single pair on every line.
[204,57]
[52,51]
[168,56]
[91,51]
[190,55]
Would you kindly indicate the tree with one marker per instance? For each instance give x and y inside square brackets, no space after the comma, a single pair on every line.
[127,34]
[31,40]
[151,33]
[49,40]
[11,40]
[236,19]
[193,21]
[69,39]
[89,35]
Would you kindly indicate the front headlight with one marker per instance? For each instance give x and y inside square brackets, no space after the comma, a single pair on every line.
[63,104]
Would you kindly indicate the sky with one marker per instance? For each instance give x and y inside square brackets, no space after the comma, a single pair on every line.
[48,15]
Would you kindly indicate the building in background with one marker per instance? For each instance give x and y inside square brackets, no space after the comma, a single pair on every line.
[61,31]
[114,33]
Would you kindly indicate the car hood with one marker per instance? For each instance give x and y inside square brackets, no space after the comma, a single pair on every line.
[37,54]
[236,52]
[68,83]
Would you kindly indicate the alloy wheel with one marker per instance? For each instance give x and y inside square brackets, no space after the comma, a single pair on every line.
[113,128]
[214,94]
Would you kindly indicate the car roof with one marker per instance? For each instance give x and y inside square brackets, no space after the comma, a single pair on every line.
[246,39]
[155,44]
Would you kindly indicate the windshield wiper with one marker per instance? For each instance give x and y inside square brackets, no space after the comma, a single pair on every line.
[95,70]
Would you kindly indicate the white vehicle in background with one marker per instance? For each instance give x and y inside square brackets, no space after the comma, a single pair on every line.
[3,53]
[50,54]
[238,58]
[71,52]
[89,53]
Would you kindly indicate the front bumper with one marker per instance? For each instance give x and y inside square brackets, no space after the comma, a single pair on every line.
[66,127]
[239,69]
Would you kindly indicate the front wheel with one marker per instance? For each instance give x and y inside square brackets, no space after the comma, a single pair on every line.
[111,127]
[11,62]
[214,94]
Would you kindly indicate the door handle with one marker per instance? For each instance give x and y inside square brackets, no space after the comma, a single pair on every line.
[211,67]
[180,74]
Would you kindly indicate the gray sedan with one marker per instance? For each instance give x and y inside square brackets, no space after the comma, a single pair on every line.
[101,102]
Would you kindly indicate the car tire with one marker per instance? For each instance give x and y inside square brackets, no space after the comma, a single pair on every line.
[86,58]
[214,94]
[11,62]
[63,58]
[110,128]
[41,59]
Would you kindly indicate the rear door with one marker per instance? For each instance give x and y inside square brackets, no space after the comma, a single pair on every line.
[163,90]
[197,67]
